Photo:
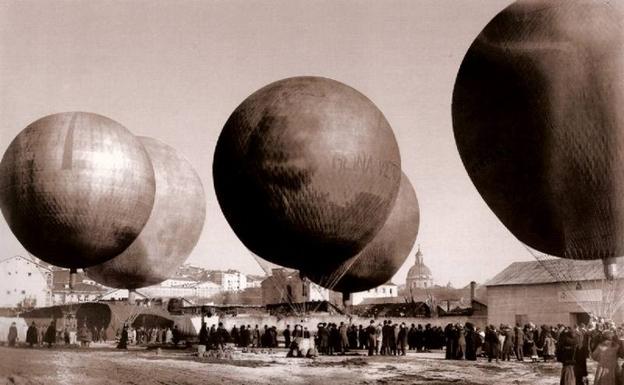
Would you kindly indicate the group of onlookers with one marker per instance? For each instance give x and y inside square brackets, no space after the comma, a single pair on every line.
[50,335]
[521,342]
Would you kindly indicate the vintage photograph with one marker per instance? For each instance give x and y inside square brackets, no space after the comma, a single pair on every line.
[311,192]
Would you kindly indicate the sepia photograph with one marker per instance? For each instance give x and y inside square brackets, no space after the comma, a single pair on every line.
[312,192]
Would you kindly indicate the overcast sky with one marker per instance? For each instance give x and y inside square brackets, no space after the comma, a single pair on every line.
[175,70]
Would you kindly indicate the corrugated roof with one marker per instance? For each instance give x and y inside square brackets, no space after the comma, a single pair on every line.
[550,271]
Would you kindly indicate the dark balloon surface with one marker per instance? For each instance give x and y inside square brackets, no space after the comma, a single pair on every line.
[379,261]
[537,116]
[172,230]
[76,188]
[306,171]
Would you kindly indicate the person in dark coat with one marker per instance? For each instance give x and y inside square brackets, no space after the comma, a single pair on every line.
[273,334]
[491,340]
[362,338]
[32,335]
[411,337]
[423,338]
[566,354]
[123,340]
[393,333]
[264,339]
[582,353]
[286,335]
[176,335]
[203,334]
[12,338]
[334,339]
[385,333]
[50,334]
[221,336]
[234,336]
[472,342]
[245,337]
[323,337]
[352,337]
[450,347]
[370,332]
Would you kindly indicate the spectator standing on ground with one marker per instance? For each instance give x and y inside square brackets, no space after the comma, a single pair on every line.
[566,354]
[371,331]
[606,354]
[491,339]
[32,335]
[286,335]
[12,337]
[50,334]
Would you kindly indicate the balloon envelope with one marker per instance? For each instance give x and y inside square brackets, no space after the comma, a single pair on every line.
[172,230]
[379,261]
[538,124]
[76,188]
[306,171]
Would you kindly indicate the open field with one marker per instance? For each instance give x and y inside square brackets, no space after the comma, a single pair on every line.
[103,365]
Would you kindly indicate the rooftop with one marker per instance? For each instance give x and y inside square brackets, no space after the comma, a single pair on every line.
[550,271]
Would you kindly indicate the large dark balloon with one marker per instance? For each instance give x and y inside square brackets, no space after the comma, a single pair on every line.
[306,171]
[537,114]
[172,230]
[379,261]
[76,188]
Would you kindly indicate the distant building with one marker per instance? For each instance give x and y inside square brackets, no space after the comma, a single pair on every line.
[230,280]
[84,290]
[190,271]
[419,275]
[25,282]
[176,282]
[81,292]
[255,281]
[386,291]
[286,286]
[554,291]
[207,289]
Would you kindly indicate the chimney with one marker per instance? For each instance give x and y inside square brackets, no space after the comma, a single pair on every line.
[473,288]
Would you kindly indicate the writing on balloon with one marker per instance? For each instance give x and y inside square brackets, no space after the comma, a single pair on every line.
[366,164]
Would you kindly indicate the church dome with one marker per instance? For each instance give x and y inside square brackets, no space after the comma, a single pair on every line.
[419,275]
[419,272]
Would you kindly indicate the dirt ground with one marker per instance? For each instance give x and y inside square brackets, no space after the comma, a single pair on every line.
[104,365]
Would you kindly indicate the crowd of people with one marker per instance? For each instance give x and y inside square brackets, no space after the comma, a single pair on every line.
[571,346]
[50,335]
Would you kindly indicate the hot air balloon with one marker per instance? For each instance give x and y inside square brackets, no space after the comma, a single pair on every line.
[172,230]
[379,261]
[76,188]
[538,124]
[306,171]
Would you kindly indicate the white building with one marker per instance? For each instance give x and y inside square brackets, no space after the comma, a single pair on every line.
[206,289]
[24,281]
[230,280]
[384,291]
[176,282]
[165,290]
